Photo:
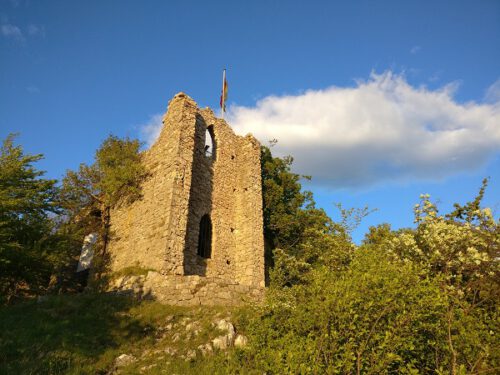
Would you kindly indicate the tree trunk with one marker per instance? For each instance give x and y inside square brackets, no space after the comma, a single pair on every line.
[105,224]
[450,343]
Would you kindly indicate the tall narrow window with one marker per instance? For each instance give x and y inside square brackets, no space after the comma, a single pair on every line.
[210,143]
[205,237]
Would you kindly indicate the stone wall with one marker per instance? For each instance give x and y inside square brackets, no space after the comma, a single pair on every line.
[187,290]
[160,231]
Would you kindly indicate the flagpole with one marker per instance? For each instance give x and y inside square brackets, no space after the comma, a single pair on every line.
[223,88]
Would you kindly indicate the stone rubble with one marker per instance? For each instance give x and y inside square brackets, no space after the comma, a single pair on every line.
[228,337]
[240,341]
[225,341]
[124,360]
[205,349]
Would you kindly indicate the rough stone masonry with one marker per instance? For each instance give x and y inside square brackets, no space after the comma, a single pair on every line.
[198,227]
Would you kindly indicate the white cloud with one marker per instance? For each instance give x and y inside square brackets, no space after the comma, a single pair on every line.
[493,92]
[382,130]
[150,131]
[11,31]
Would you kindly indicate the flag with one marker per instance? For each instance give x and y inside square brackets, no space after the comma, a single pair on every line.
[223,96]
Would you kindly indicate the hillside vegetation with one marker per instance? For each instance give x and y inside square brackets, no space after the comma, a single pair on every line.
[421,300]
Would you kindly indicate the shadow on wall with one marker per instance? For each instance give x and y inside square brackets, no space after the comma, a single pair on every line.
[198,248]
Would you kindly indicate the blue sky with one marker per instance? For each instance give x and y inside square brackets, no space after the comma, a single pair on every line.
[379,100]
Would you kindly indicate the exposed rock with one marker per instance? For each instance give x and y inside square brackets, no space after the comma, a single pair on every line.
[176,337]
[225,325]
[170,351]
[194,328]
[190,355]
[205,349]
[185,321]
[145,369]
[240,341]
[124,360]
[224,341]
[221,342]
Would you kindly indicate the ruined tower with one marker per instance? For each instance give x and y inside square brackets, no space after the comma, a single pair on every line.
[198,228]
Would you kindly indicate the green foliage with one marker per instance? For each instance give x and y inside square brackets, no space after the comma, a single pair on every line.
[119,170]
[374,316]
[66,334]
[378,234]
[407,301]
[23,193]
[282,198]
[461,250]
[471,212]
[114,177]
[296,232]
[42,227]
[26,199]
[465,253]
[289,213]
[89,194]
[85,333]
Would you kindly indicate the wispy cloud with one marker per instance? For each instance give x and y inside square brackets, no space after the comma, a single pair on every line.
[11,31]
[382,130]
[36,30]
[150,130]
[493,93]
[415,49]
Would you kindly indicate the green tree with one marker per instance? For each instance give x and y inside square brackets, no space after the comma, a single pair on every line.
[26,200]
[299,235]
[90,193]
[283,201]
[292,222]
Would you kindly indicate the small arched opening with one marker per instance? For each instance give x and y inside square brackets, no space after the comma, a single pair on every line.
[205,237]
[210,146]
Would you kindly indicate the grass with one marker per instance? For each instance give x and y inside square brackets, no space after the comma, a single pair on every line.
[85,333]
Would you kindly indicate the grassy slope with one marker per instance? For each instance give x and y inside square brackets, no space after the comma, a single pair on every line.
[83,334]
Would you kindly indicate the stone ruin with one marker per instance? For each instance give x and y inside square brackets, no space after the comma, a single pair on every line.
[198,228]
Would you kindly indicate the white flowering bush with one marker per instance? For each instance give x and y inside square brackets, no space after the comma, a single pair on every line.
[461,247]
[460,252]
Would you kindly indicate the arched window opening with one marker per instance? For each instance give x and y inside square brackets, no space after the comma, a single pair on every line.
[205,237]
[210,143]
